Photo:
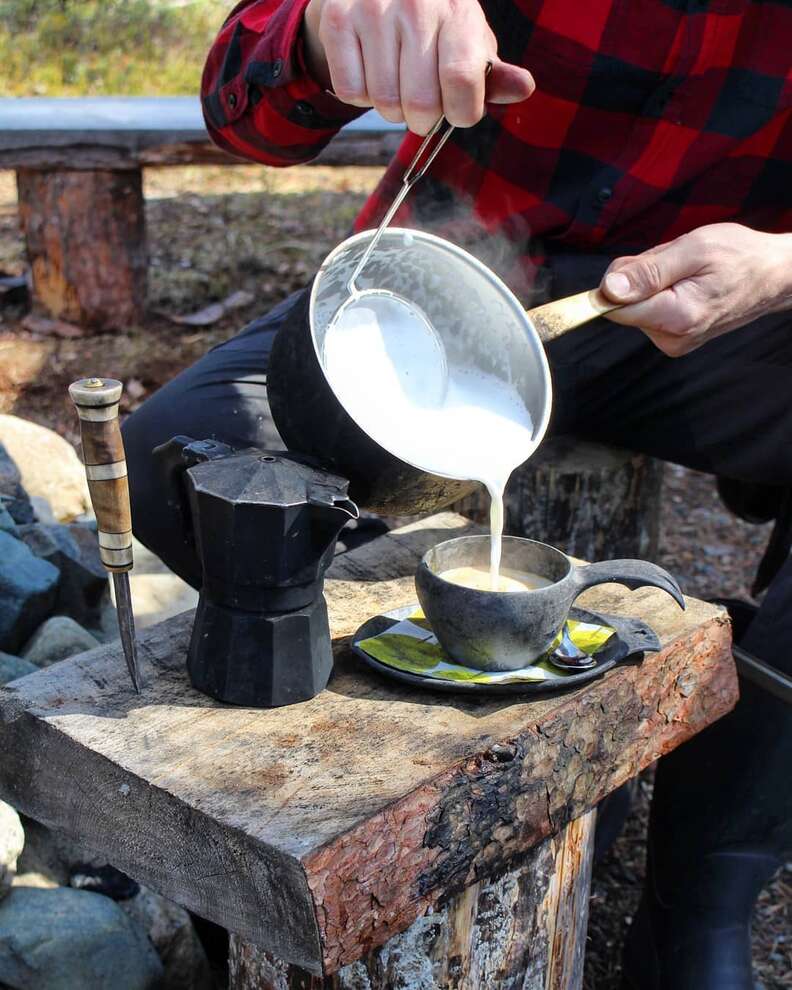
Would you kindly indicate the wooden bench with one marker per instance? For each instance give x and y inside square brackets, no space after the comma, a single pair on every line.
[79,175]
[375,836]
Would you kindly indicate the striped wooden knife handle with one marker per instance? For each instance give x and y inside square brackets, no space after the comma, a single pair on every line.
[97,401]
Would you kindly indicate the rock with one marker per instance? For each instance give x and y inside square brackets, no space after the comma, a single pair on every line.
[12,495]
[42,510]
[12,667]
[171,930]
[6,519]
[28,588]
[12,841]
[58,638]
[65,939]
[48,465]
[74,550]
[48,856]
[105,880]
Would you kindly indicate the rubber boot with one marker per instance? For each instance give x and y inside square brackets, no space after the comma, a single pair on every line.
[720,825]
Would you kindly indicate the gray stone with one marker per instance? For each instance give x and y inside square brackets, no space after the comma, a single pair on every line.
[58,638]
[13,497]
[28,588]
[6,519]
[12,667]
[65,939]
[48,465]
[74,550]
[12,841]
[42,509]
[170,928]
[48,856]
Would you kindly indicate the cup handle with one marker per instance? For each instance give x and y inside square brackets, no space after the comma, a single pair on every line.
[632,573]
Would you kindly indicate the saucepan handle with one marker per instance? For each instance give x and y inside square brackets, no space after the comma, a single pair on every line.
[632,573]
[556,318]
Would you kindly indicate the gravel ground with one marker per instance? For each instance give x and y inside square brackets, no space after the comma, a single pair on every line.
[212,231]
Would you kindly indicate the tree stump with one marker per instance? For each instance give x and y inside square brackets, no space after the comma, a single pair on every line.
[85,236]
[523,931]
[591,501]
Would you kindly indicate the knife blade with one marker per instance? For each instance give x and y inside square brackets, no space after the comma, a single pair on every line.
[96,401]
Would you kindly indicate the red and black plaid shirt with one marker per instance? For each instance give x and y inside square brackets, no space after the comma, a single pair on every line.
[650,118]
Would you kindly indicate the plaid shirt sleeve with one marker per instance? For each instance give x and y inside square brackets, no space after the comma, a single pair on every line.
[259,100]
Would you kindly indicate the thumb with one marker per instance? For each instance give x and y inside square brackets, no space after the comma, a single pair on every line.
[508,83]
[631,280]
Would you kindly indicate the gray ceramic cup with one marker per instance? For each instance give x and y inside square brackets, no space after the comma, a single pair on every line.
[492,630]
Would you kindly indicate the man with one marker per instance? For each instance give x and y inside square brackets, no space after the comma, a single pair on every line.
[644,144]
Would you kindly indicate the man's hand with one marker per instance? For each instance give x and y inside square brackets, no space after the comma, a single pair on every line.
[703,284]
[412,60]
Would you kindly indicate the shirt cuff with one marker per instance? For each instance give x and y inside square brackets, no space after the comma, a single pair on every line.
[277,63]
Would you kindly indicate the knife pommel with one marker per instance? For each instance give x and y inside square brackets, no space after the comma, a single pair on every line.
[97,401]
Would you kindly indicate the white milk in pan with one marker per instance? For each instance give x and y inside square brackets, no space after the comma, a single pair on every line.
[464,424]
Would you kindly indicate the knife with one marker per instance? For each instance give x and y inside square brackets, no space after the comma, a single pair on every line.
[96,400]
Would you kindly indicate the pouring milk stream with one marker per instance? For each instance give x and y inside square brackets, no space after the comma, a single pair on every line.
[463,424]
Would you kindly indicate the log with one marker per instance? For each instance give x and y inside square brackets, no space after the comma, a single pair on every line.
[319,831]
[349,148]
[85,236]
[525,930]
[128,132]
[591,501]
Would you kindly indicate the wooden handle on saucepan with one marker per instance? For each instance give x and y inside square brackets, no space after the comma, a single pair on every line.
[97,401]
[556,318]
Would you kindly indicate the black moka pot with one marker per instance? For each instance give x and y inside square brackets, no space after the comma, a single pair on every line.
[264,526]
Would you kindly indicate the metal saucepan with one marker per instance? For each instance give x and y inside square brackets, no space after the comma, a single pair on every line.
[480,323]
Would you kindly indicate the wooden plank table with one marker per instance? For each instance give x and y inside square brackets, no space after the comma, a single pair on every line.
[79,165]
[374,829]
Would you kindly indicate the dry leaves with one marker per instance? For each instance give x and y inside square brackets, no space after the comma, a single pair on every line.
[214,312]
[43,326]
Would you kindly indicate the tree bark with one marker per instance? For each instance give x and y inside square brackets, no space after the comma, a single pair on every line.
[85,236]
[591,501]
[524,931]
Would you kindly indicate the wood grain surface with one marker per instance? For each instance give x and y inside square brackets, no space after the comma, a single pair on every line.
[321,830]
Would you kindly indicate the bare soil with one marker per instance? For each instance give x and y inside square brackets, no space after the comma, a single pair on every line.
[214,231]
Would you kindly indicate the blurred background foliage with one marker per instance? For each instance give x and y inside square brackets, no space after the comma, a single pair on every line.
[105,47]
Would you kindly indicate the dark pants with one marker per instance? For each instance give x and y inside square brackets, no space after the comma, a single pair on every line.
[724,409]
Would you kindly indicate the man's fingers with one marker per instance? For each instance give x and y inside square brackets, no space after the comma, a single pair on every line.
[420,88]
[381,65]
[462,67]
[674,319]
[345,62]
[508,83]
[673,346]
[630,280]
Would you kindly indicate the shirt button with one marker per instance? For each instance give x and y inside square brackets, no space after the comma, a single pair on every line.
[604,194]
[277,68]
[303,108]
[232,100]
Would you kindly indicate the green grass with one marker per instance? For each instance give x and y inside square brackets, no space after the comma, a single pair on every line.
[111,47]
